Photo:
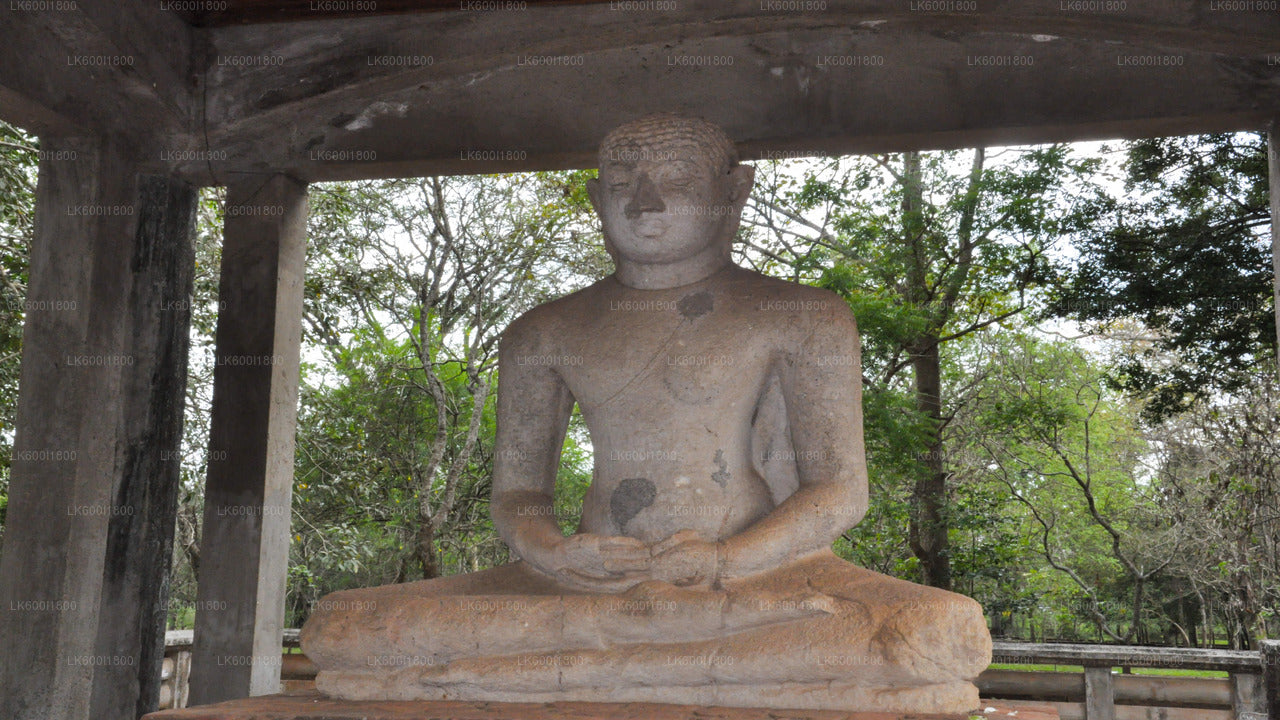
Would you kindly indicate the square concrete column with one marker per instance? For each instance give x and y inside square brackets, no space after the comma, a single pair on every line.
[1271,677]
[244,547]
[93,492]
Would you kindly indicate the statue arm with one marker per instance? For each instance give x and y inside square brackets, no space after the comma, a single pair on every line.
[534,405]
[822,388]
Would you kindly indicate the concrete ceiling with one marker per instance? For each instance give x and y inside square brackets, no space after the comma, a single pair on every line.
[535,86]
[246,12]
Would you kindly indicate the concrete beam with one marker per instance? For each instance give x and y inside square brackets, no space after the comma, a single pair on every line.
[95,66]
[503,91]
[83,576]
[244,546]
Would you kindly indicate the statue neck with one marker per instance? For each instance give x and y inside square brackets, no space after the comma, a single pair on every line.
[653,276]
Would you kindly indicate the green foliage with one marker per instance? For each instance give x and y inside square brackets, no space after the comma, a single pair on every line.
[927,248]
[1185,251]
[574,475]
[415,279]
[1218,483]
[18,161]
[1071,452]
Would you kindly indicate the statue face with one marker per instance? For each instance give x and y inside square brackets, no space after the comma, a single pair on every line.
[666,202]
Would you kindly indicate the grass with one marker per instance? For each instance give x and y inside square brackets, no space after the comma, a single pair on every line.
[1136,671]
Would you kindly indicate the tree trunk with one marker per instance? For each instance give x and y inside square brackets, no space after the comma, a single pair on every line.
[402,570]
[425,549]
[929,540]
[1191,621]
[928,530]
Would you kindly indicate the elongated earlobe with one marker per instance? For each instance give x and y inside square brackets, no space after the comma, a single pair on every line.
[593,193]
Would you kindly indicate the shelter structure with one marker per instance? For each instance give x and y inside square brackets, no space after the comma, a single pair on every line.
[138,103]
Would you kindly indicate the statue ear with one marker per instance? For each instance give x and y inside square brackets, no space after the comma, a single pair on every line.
[741,178]
[593,192]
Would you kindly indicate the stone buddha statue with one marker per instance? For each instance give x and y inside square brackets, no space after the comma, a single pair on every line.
[724,410]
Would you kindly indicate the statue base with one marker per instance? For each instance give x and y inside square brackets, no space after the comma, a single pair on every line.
[314,706]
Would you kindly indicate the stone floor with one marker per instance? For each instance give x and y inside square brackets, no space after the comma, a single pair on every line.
[313,706]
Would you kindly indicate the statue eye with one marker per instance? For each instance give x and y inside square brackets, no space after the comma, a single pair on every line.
[619,185]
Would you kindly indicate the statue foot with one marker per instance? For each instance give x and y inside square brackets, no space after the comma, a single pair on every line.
[942,636]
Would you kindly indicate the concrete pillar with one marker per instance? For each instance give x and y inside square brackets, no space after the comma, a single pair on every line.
[1099,693]
[1271,677]
[244,548]
[1247,694]
[84,572]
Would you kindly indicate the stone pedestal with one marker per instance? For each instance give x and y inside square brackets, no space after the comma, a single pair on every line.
[313,706]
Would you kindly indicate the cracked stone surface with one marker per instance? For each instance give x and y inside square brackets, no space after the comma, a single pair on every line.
[725,415]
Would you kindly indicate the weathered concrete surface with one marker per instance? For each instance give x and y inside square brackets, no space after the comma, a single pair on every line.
[245,541]
[348,99]
[135,593]
[94,67]
[725,415]
[313,706]
[1271,675]
[83,577]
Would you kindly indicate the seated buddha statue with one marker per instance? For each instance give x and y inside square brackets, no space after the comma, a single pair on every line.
[724,412]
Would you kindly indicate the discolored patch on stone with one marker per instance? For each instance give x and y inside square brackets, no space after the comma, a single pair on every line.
[696,304]
[722,475]
[629,498]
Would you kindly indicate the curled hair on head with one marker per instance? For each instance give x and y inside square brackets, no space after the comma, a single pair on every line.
[669,127]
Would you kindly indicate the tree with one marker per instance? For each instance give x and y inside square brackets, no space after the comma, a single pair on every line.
[18,160]
[409,284]
[927,249]
[1218,475]
[438,266]
[1070,452]
[1186,252]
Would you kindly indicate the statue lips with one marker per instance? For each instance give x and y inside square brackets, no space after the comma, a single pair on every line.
[648,227]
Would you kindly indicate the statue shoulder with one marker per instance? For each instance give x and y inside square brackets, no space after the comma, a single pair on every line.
[547,323]
[803,307]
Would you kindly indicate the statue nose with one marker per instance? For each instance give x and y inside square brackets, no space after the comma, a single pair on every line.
[644,199]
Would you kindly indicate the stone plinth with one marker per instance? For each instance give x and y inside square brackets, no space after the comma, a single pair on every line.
[313,706]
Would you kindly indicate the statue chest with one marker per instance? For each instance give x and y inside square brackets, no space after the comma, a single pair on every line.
[666,367]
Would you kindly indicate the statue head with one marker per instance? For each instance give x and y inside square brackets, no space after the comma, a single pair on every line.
[670,189]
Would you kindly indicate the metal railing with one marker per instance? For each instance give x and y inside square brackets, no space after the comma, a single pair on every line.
[1096,693]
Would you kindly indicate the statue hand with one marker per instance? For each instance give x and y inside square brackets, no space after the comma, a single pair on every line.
[686,560]
[597,563]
